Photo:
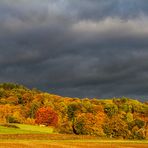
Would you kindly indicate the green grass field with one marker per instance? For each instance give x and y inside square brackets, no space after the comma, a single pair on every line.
[26,129]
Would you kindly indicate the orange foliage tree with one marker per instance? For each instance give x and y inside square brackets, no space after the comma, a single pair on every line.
[90,123]
[46,116]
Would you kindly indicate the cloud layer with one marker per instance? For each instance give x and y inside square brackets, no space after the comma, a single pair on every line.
[87,48]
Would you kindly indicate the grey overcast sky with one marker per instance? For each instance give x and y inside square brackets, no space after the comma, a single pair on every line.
[76,48]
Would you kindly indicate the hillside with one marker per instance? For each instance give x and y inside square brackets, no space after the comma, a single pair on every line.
[115,117]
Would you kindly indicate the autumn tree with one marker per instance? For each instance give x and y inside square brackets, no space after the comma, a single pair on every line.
[64,125]
[73,109]
[5,111]
[116,127]
[137,129]
[10,114]
[111,109]
[46,116]
[89,124]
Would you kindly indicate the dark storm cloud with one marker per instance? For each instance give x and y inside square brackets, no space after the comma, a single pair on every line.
[98,9]
[87,48]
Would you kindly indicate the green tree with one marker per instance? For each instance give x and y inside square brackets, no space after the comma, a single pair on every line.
[72,110]
[111,109]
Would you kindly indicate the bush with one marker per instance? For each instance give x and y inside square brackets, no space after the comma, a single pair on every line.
[10,126]
[12,119]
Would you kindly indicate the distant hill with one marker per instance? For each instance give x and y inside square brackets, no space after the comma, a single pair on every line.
[115,117]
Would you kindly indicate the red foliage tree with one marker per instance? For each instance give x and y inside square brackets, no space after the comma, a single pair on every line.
[46,116]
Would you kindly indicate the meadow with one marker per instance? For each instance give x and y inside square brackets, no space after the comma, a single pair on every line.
[25,129]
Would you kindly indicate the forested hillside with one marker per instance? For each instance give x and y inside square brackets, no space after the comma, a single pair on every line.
[115,117]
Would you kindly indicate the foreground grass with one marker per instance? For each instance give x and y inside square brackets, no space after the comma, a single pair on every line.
[65,141]
[72,144]
[77,141]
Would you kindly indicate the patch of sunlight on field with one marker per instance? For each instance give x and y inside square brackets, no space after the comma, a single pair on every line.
[35,128]
[26,129]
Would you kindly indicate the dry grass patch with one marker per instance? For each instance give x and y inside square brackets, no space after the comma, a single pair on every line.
[70,145]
